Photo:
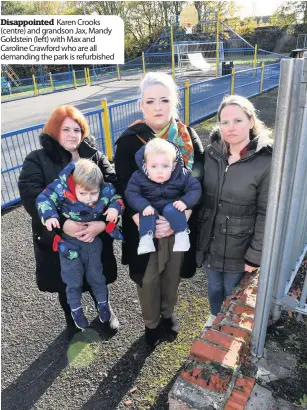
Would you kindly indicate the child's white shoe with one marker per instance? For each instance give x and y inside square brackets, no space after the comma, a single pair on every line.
[146,245]
[182,242]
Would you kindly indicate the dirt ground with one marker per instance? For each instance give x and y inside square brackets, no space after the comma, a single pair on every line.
[41,371]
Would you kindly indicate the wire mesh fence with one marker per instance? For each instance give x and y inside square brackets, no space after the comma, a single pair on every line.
[196,102]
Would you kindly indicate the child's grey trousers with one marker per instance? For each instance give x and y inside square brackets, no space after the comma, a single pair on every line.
[87,264]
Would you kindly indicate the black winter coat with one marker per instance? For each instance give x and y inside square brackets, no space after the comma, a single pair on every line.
[232,217]
[127,146]
[142,192]
[40,168]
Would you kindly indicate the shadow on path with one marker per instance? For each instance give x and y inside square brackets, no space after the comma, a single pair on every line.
[35,380]
[161,402]
[25,391]
[120,378]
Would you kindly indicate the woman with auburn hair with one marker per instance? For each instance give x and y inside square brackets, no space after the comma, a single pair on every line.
[65,138]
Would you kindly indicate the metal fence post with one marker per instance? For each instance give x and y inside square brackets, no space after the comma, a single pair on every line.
[277,200]
[262,77]
[232,87]
[143,63]
[89,77]
[74,76]
[51,81]
[173,52]
[106,128]
[34,85]
[118,72]
[296,166]
[217,50]
[187,103]
[255,55]
[85,76]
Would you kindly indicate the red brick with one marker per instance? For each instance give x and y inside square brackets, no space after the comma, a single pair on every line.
[217,321]
[250,290]
[242,321]
[236,401]
[227,341]
[210,375]
[240,394]
[204,351]
[213,382]
[241,309]
[196,372]
[249,278]
[236,332]
[246,299]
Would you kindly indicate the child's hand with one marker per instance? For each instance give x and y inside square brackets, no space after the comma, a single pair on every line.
[52,223]
[149,210]
[181,206]
[112,215]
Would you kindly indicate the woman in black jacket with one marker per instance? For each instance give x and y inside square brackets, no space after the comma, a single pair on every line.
[231,223]
[157,275]
[65,138]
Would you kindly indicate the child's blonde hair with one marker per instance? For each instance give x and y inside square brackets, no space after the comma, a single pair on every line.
[87,174]
[160,146]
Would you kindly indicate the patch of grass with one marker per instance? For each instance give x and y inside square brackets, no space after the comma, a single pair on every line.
[208,124]
[302,402]
[168,358]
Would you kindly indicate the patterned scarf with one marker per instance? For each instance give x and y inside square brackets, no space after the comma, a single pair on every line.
[177,133]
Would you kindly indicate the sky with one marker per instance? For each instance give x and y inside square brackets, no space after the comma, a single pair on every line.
[258,7]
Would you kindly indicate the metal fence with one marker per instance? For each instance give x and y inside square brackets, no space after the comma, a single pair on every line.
[197,101]
[16,145]
[285,238]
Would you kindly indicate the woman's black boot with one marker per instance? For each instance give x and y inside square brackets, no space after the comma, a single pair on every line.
[152,336]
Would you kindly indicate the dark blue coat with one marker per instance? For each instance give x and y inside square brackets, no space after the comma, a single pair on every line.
[142,192]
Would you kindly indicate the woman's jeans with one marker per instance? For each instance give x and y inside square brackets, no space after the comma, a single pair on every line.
[220,285]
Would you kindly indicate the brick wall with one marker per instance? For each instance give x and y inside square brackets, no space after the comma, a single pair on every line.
[211,378]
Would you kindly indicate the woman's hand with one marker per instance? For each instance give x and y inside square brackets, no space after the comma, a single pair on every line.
[136,219]
[84,231]
[91,230]
[163,228]
[248,268]
[71,228]
[188,213]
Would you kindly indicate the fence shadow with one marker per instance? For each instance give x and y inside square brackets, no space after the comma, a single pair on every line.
[35,380]
[24,392]
[161,402]
[120,378]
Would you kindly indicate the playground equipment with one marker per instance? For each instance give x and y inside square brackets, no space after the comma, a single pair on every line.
[198,55]
[5,87]
[197,49]
[301,41]
[212,40]
[10,75]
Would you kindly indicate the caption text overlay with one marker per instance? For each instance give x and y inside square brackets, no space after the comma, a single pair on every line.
[62,40]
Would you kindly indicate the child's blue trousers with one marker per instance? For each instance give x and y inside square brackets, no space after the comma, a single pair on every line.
[176,219]
[87,264]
